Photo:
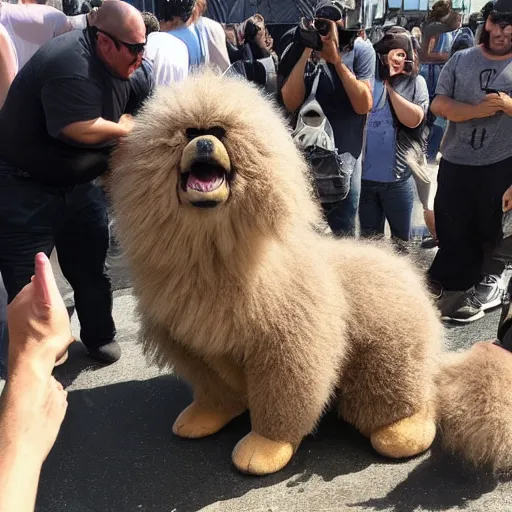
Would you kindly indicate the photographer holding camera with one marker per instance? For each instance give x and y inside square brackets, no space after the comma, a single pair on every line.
[339,67]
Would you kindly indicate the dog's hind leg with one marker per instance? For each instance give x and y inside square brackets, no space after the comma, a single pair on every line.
[387,394]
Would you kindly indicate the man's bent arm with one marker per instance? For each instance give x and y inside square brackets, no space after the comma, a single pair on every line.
[359,92]
[453,110]
[96,131]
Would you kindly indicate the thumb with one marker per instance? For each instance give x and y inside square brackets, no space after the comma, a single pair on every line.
[46,292]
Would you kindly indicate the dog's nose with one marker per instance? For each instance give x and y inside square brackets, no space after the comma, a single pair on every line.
[205,148]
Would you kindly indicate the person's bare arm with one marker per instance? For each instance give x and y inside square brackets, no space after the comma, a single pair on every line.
[8,65]
[408,113]
[19,478]
[459,112]
[98,131]
[33,403]
[294,89]
[358,91]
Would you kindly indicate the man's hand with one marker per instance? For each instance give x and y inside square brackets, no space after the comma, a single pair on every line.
[506,203]
[127,122]
[34,403]
[330,51]
[492,104]
[39,328]
[507,103]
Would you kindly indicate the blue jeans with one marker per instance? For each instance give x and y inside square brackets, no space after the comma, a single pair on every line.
[341,216]
[392,201]
[434,141]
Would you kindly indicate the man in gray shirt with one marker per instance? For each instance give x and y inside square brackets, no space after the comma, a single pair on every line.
[473,93]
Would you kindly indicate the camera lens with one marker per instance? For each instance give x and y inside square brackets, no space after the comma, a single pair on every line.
[322,27]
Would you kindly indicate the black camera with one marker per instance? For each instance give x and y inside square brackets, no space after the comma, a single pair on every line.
[308,34]
[310,31]
[322,26]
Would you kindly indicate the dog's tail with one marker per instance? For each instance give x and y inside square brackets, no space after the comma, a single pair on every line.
[475,406]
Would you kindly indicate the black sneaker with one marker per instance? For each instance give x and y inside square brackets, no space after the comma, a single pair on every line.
[489,292]
[107,354]
[460,307]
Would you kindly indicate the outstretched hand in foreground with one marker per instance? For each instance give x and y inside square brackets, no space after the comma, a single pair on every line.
[33,404]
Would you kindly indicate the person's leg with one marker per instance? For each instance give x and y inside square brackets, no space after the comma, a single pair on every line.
[82,247]
[371,214]
[458,261]
[494,181]
[27,215]
[398,202]
[341,216]
[456,267]
[434,142]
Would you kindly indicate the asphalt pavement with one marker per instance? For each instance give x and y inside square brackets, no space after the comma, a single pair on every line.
[116,451]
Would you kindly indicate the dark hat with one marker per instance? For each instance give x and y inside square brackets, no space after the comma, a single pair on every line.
[396,38]
[502,6]
[169,9]
[329,10]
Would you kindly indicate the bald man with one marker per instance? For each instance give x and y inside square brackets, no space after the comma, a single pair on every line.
[64,112]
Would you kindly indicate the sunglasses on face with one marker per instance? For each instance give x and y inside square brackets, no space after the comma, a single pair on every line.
[133,48]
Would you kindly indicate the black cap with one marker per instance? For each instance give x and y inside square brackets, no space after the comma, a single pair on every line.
[394,39]
[329,10]
[169,9]
[502,6]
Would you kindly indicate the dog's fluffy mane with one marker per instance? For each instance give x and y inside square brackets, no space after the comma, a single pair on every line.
[256,139]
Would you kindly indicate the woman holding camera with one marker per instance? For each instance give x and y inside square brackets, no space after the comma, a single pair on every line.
[395,140]
[344,94]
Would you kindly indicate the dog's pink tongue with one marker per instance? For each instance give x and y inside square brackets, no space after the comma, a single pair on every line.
[203,184]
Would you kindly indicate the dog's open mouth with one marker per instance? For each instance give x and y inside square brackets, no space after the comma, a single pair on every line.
[205,173]
[203,177]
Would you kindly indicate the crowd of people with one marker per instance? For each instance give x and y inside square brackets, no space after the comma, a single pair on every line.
[377,120]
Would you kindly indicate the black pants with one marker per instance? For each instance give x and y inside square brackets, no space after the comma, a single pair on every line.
[36,218]
[468,222]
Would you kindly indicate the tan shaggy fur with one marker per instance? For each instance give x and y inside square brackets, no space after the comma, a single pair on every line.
[257,310]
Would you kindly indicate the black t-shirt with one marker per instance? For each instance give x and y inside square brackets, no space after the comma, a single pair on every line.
[64,83]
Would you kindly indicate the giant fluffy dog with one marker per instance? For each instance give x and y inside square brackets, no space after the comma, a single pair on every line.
[239,292]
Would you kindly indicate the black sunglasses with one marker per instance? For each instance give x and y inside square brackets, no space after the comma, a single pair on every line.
[133,48]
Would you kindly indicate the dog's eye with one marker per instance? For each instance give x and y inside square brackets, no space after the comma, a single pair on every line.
[193,133]
[216,131]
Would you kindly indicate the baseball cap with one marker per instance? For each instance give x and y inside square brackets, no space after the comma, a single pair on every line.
[329,10]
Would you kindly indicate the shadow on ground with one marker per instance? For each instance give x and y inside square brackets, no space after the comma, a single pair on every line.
[116,453]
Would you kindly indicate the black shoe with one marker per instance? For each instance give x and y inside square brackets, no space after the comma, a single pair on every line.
[428,243]
[489,292]
[460,307]
[107,354]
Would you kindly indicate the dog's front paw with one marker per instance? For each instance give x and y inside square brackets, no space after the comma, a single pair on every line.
[258,455]
[195,421]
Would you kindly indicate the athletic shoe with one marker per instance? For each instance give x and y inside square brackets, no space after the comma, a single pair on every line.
[461,307]
[489,292]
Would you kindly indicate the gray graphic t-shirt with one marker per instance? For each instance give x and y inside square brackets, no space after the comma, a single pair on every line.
[465,78]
